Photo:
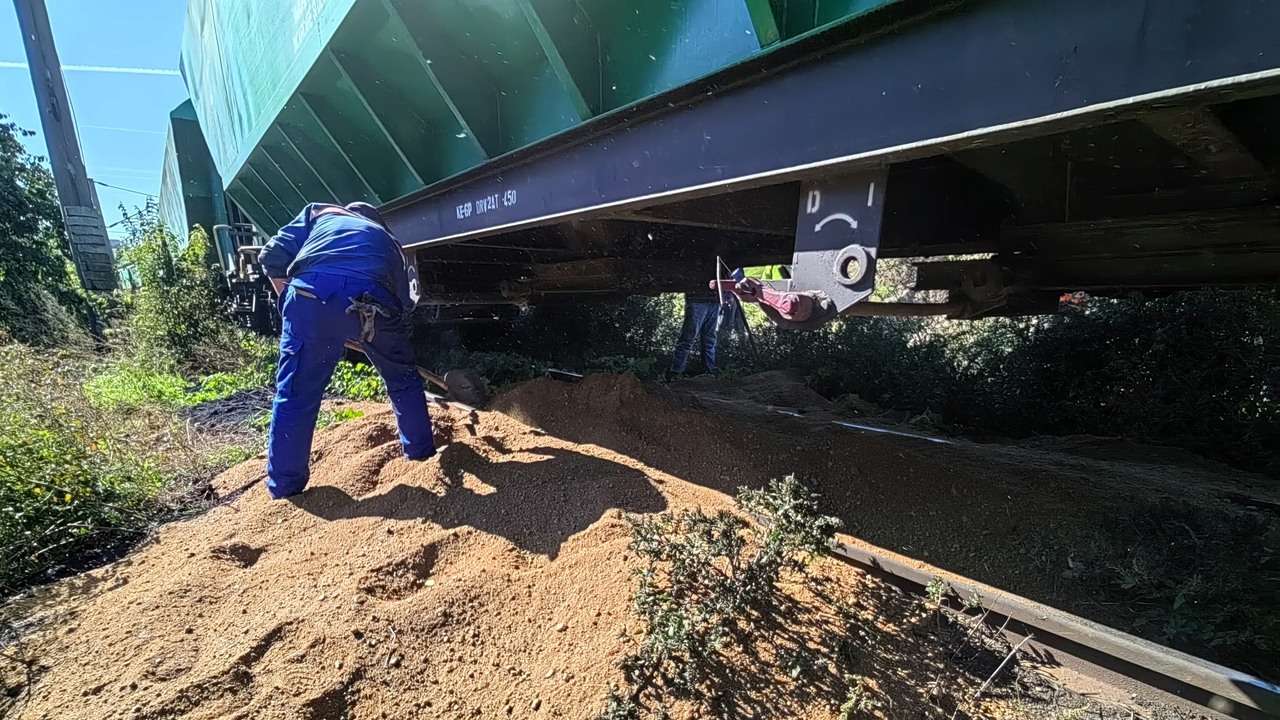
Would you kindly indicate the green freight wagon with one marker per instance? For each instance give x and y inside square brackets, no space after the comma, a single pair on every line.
[533,151]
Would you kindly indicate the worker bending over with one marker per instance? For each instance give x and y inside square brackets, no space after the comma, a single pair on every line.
[341,276]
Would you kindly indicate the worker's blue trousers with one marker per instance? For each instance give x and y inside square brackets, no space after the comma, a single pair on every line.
[311,344]
[701,325]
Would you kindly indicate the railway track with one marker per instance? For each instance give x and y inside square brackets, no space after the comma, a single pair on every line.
[1135,669]
[1131,667]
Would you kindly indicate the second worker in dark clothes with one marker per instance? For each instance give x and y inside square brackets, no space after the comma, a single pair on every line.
[701,328]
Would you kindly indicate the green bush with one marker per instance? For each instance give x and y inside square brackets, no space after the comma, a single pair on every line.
[645,368]
[1202,579]
[704,577]
[41,302]
[357,381]
[72,475]
[127,384]
[1196,370]
[178,320]
[335,417]
[499,369]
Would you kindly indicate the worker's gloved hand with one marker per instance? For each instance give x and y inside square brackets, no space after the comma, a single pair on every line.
[824,311]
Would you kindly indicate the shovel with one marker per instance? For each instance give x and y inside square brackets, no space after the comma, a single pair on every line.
[463,386]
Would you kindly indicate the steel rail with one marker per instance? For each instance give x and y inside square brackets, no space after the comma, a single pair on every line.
[1127,663]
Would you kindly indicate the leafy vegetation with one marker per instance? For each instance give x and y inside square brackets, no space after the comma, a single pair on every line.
[703,575]
[333,417]
[1195,370]
[1203,579]
[357,381]
[178,321]
[859,701]
[92,451]
[40,300]
[76,477]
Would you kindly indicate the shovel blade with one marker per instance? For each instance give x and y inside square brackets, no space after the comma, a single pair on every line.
[467,387]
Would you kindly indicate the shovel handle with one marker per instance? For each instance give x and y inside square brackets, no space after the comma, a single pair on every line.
[425,373]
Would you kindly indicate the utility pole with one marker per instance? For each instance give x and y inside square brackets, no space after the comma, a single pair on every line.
[90,248]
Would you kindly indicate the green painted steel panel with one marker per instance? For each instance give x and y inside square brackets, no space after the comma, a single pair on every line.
[571,30]
[306,100]
[190,189]
[489,49]
[275,212]
[242,197]
[172,193]
[649,47]
[462,81]
[344,111]
[280,185]
[243,59]
[413,110]
[299,123]
[310,183]
[796,17]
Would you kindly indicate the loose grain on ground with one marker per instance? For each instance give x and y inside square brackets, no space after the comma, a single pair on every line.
[491,581]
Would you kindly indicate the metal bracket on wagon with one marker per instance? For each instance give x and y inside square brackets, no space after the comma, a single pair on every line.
[838,237]
[834,264]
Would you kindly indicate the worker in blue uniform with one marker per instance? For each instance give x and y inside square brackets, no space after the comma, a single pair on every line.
[341,276]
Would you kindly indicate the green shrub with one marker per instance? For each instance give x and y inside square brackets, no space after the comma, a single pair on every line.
[1203,579]
[179,320]
[703,576]
[645,368]
[33,315]
[357,381]
[257,370]
[499,369]
[1196,370]
[1193,369]
[41,302]
[127,384]
[335,417]
[72,475]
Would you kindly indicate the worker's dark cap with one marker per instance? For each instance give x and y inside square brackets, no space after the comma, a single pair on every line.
[368,211]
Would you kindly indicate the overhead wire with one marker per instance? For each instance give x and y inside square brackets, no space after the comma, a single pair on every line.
[124,188]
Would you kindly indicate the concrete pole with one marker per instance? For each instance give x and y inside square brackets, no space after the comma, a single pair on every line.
[90,248]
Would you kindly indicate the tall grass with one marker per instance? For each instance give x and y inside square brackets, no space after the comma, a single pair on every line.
[77,476]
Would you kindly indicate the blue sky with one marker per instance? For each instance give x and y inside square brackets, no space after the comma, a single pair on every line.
[122,116]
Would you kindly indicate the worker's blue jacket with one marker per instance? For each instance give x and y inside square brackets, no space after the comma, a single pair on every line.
[332,257]
[329,240]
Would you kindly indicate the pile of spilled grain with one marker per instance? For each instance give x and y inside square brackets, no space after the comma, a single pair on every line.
[492,581]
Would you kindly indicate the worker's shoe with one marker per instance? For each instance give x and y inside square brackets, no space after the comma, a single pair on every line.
[278,493]
[422,456]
